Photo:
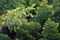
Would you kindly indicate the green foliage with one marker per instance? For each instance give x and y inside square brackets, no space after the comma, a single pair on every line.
[33,28]
[19,22]
[4,37]
[14,13]
[50,31]
[21,33]
[32,25]
[56,16]
[42,14]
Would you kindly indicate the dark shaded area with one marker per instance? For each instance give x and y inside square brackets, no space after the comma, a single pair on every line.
[42,21]
[37,5]
[28,18]
[5,30]
[33,12]
[40,30]
[11,34]
[36,34]
[40,0]
[50,1]
[27,2]
[56,18]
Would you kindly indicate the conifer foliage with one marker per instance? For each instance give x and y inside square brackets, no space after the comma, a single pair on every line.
[29,20]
